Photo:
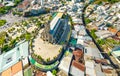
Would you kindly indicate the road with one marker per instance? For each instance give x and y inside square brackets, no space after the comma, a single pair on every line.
[11,19]
[105,55]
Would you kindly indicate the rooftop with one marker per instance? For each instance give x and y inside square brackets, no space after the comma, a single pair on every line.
[10,58]
[65,63]
[55,20]
[13,70]
[78,65]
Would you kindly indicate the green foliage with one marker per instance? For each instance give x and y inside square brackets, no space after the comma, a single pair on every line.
[87,20]
[48,59]
[38,23]
[5,48]
[4,9]
[28,36]
[113,1]
[99,3]
[17,2]
[2,40]
[92,32]
[101,42]
[54,72]
[110,1]
[25,23]
[2,22]
[13,42]
[17,13]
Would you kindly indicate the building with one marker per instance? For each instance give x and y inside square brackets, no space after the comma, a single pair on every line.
[10,58]
[58,32]
[77,69]
[65,63]
[8,2]
[116,53]
[15,70]
[25,4]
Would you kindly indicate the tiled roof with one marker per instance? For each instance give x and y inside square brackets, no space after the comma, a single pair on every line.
[112,30]
[78,65]
[16,68]
[24,4]
[13,70]
[7,72]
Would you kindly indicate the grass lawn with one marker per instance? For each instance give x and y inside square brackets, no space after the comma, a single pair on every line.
[2,22]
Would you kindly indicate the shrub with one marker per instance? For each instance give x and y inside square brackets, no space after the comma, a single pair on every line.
[2,22]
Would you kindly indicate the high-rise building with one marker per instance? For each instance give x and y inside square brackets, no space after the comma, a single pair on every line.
[58,30]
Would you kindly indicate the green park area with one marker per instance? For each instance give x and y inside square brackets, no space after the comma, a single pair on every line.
[2,22]
[41,66]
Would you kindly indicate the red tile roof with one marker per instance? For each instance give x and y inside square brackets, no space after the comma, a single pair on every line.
[24,4]
[118,34]
[16,68]
[78,65]
[112,30]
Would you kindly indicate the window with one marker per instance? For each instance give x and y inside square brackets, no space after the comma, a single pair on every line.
[8,60]
[85,50]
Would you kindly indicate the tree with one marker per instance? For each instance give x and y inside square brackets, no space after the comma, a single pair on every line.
[12,43]
[101,42]
[38,23]
[28,36]
[5,48]
[93,34]
[2,41]
[87,20]
[2,22]
[54,72]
